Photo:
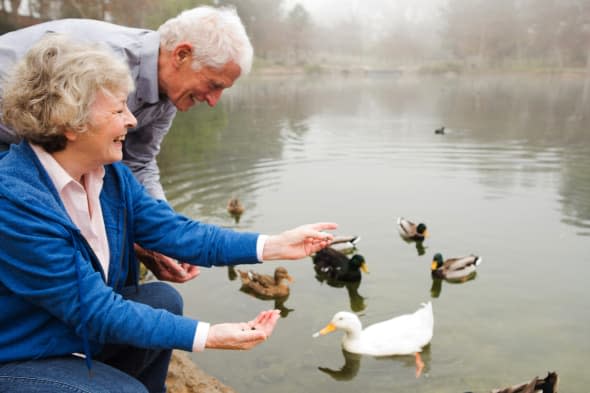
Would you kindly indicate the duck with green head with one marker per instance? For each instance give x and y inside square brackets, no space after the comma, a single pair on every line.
[454,269]
[409,230]
[334,265]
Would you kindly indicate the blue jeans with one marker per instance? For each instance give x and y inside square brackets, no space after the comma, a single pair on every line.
[117,369]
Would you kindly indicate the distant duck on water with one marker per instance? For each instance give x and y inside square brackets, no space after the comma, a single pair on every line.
[440,131]
[235,208]
[409,230]
[454,269]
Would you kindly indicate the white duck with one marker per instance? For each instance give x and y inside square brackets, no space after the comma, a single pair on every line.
[402,335]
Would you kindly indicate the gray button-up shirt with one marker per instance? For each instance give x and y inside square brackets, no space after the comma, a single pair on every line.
[140,48]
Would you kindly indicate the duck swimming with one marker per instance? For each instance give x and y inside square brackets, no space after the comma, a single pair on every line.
[235,208]
[265,285]
[334,265]
[549,384]
[454,269]
[409,230]
[402,335]
[345,244]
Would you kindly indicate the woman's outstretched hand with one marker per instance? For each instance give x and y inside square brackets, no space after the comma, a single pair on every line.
[242,335]
[299,242]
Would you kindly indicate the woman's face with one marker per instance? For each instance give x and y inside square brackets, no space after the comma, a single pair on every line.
[109,120]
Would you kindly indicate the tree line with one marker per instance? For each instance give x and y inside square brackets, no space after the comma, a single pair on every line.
[472,33]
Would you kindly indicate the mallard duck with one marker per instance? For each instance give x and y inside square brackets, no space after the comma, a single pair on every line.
[549,384]
[345,244]
[265,285]
[235,208]
[454,269]
[411,231]
[334,265]
[402,335]
[440,131]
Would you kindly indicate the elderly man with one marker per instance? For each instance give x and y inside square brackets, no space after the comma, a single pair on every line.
[191,58]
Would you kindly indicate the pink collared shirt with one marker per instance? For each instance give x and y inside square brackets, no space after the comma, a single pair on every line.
[82,203]
[83,206]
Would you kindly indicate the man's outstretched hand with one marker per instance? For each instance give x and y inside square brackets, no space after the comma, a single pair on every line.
[166,268]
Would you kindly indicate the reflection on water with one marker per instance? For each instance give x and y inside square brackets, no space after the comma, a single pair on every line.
[509,179]
[419,244]
[352,364]
[357,301]
[437,283]
[279,302]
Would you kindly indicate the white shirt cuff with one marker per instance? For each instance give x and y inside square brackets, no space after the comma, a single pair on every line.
[201,336]
[260,246]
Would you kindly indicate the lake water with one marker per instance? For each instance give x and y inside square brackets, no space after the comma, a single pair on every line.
[509,181]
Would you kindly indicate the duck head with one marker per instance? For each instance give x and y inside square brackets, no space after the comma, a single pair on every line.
[422,230]
[342,320]
[281,275]
[358,262]
[437,261]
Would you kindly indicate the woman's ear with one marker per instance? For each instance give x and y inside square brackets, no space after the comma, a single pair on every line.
[71,136]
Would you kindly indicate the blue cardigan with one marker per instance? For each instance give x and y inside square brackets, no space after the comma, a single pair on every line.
[53,296]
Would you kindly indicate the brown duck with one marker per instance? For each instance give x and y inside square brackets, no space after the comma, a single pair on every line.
[549,384]
[234,206]
[266,285]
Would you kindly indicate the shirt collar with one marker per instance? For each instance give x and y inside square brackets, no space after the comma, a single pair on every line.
[57,173]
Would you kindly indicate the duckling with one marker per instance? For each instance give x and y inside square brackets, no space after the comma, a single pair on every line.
[549,384]
[440,131]
[402,335]
[235,208]
[408,230]
[454,269]
[267,286]
[333,264]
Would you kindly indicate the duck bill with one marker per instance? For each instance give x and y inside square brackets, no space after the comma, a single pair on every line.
[434,266]
[290,279]
[364,268]
[426,234]
[328,329]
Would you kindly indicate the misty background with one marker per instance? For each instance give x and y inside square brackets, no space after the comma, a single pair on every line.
[425,35]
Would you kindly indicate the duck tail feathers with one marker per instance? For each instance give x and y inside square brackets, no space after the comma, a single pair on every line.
[478,260]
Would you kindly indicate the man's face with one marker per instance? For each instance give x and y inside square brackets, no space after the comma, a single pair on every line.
[187,87]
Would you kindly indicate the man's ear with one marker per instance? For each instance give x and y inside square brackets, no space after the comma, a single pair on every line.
[182,53]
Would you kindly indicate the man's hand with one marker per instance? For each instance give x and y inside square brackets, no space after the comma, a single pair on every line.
[166,268]
[242,335]
[298,243]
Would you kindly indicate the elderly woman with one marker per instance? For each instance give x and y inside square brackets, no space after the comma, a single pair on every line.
[71,214]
